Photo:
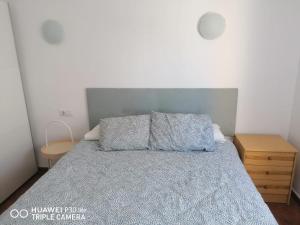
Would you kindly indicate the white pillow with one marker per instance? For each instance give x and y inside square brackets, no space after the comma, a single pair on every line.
[93,135]
[218,135]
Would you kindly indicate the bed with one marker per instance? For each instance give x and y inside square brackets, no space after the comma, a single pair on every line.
[142,187]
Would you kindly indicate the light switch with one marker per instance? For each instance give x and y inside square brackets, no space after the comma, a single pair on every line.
[65,113]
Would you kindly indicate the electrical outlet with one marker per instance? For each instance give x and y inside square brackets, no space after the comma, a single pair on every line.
[65,113]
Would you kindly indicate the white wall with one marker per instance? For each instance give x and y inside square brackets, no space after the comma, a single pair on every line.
[154,43]
[294,136]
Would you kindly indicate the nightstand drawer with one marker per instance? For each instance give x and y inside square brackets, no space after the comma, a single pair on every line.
[269,159]
[272,187]
[275,198]
[270,172]
[273,190]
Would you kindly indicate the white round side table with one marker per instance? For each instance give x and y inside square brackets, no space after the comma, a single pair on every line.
[56,149]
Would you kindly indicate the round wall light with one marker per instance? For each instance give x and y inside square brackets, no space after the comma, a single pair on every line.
[211,25]
[52,32]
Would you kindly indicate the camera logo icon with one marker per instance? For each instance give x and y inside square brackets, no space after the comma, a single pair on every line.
[23,213]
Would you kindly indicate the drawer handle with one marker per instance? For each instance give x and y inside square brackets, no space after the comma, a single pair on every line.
[265,187]
[269,158]
[267,172]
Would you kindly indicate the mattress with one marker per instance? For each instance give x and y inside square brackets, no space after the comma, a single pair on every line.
[143,187]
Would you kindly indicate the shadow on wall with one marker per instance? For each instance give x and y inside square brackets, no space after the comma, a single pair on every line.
[294,135]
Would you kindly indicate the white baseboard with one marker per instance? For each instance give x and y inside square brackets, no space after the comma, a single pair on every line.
[296,193]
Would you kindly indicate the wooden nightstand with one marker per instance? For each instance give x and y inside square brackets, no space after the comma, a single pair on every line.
[270,162]
[56,149]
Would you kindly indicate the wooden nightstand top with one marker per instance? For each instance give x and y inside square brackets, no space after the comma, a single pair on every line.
[264,143]
[57,148]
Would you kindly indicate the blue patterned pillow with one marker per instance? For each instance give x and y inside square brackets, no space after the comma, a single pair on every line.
[181,132]
[124,133]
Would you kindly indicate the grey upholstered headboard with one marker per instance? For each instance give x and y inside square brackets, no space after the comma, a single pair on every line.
[220,104]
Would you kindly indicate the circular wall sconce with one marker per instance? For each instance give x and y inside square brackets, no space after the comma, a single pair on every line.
[52,32]
[211,25]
